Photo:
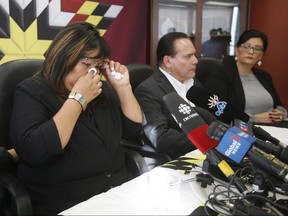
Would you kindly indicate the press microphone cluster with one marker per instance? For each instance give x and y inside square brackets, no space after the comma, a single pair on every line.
[236,144]
[195,128]
[189,121]
[227,112]
[264,135]
[215,104]
[196,123]
[272,158]
[279,151]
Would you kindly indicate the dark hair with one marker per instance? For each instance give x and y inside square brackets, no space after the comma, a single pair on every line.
[70,45]
[252,33]
[166,45]
[218,31]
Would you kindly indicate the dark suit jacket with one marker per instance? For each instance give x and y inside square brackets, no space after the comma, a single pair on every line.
[91,163]
[161,129]
[227,84]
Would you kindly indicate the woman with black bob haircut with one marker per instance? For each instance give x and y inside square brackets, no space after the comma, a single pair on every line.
[245,85]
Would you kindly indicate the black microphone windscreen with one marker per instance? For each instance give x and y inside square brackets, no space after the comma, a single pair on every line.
[216,130]
[189,121]
[264,135]
[215,104]
[205,114]
[182,112]
[235,144]
[208,117]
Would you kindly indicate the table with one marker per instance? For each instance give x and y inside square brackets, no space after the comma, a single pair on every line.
[165,190]
[149,194]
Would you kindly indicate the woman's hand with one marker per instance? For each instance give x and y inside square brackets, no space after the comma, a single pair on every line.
[274,116]
[121,83]
[89,85]
[117,75]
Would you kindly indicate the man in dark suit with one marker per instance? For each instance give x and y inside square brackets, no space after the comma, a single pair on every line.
[176,71]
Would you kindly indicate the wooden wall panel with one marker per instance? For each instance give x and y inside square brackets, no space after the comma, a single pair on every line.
[271,17]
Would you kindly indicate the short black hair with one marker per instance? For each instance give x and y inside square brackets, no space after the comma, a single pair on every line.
[166,45]
[252,33]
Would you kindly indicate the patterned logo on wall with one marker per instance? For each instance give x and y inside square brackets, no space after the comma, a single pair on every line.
[27,27]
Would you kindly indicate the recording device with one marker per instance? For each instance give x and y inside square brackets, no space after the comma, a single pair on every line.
[234,143]
[264,135]
[218,106]
[210,164]
[189,121]
[195,127]
[243,125]
[277,150]
[226,112]
[272,158]
[205,115]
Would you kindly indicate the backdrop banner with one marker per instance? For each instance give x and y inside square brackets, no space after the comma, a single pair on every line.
[28,27]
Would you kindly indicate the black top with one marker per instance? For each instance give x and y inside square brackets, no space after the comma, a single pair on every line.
[91,163]
[227,84]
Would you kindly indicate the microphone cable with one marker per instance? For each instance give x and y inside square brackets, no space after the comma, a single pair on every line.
[224,200]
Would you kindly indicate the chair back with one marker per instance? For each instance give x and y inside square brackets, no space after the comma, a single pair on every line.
[14,198]
[205,66]
[11,73]
[138,73]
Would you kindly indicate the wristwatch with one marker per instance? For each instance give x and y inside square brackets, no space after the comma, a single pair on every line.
[79,98]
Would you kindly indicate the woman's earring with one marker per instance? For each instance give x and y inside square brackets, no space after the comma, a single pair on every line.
[259,62]
[236,58]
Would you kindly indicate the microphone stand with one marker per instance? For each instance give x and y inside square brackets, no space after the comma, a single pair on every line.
[209,168]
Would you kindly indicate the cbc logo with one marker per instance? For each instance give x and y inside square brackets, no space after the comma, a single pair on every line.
[183,108]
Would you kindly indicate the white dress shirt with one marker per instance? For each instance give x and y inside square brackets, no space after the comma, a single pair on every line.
[181,88]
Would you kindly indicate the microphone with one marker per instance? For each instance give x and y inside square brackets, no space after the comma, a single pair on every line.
[227,112]
[264,135]
[272,157]
[235,144]
[208,117]
[219,107]
[205,115]
[277,150]
[247,127]
[195,128]
[189,121]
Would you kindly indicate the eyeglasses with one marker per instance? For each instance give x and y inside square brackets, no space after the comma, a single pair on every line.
[257,49]
[91,62]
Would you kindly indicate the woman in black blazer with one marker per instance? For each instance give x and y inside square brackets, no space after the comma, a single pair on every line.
[67,124]
[246,86]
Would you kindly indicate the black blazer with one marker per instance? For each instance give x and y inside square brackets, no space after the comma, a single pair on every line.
[228,84]
[90,164]
[161,128]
